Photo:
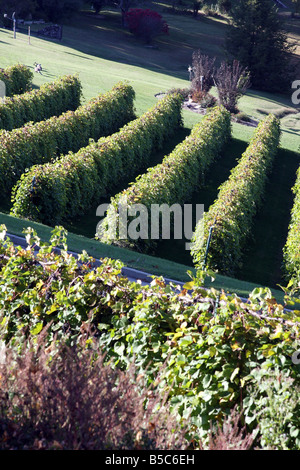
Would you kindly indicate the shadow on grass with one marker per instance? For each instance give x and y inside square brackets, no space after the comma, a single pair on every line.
[104,37]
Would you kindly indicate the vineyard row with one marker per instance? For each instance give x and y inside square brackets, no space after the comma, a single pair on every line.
[41,142]
[67,187]
[177,177]
[231,216]
[51,99]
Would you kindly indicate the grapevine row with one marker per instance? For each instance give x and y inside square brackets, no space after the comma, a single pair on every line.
[51,99]
[231,216]
[40,142]
[174,180]
[56,191]
[17,79]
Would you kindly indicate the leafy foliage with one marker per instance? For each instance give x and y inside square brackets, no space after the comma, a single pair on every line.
[40,142]
[17,79]
[55,191]
[50,10]
[231,216]
[51,99]
[58,11]
[22,9]
[296,5]
[273,404]
[204,346]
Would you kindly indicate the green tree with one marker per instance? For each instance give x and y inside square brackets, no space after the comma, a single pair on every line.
[22,9]
[257,39]
[98,5]
[296,5]
[58,10]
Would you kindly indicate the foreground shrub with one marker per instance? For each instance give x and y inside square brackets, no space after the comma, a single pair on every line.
[65,398]
[231,435]
[229,219]
[67,187]
[205,345]
[145,24]
[273,404]
[51,99]
[17,79]
[43,141]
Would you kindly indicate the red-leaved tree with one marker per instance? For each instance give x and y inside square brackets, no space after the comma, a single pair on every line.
[146,24]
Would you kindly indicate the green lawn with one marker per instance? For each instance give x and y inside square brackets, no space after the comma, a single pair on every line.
[102,53]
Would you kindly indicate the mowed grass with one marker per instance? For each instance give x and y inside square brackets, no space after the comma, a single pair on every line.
[102,53]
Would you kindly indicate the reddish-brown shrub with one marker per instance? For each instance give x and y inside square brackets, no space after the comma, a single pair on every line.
[231,435]
[145,23]
[68,399]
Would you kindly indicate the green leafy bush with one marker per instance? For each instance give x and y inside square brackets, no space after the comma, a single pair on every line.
[231,215]
[203,345]
[67,187]
[17,79]
[41,142]
[273,405]
[291,252]
[51,99]
[180,173]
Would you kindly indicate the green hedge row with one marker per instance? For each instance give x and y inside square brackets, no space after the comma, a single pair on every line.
[291,250]
[172,181]
[60,190]
[40,142]
[17,79]
[231,215]
[51,99]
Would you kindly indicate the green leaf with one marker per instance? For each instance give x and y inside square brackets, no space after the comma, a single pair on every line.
[207,381]
[36,329]
[189,285]
[206,395]
[294,431]
[119,348]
